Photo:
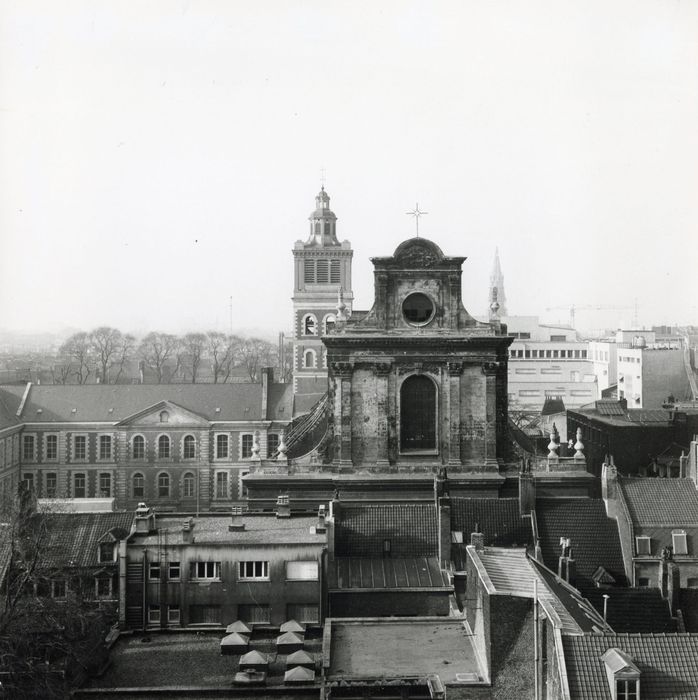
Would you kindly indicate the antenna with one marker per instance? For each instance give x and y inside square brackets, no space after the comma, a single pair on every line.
[231,315]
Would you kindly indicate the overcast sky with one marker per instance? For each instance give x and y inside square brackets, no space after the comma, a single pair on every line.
[157,158]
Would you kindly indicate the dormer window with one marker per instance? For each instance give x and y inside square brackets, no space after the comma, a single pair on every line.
[164,417]
[643,546]
[106,552]
[678,540]
[622,674]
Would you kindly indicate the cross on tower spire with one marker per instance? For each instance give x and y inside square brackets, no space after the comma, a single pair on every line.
[416,213]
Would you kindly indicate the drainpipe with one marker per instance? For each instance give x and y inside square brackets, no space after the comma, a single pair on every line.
[536,653]
[605,610]
[122,584]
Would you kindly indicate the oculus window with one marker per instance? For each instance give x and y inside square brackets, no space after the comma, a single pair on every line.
[418,309]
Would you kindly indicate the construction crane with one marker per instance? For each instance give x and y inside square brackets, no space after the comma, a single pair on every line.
[573,308]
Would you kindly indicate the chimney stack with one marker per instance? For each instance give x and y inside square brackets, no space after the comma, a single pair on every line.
[267,379]
[283,506]
[527,492]
[236,524]
[321,526]
[188,531]
[609,487]
[566,566]
[477,539]
[144,521]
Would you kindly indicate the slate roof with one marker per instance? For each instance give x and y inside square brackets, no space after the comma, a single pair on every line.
[8,408]
[72,538]
[668,664]
[633,609]
[348,573]
[595,537]
[498,519]
[263,529]
[664,502]
[612,413]
[411,528]
[112,403]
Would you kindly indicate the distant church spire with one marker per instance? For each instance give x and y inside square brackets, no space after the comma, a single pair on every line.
[497,295]
[323,222]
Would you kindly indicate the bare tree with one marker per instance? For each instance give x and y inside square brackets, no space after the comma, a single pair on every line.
[193,345]
[124,354]
[79,349]
[157,349]
[61,372]
[106,343]
[255,353]
[219,352]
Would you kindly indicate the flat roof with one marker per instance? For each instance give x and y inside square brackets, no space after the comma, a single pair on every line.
[374,648]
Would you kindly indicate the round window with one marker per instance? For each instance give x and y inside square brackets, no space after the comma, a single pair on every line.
[418,309]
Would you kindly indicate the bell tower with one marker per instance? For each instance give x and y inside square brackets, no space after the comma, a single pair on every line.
[321,276]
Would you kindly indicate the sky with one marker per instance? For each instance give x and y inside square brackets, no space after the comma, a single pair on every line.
[160,157]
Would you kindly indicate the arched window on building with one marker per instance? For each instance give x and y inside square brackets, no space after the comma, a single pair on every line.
[418,414]
[309,325]
[163,485]
[138,485]
[188,486]
[138,447]
[189,447]
[329,323]
[309,359]
[164,447]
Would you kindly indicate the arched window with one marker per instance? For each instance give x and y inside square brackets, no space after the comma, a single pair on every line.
[164,416]
[189,447]
[163,485]
[138,447]
[309,325]
[309,358]
[418,414]
[164,447]
[188,485]
[329,323]
[138,485]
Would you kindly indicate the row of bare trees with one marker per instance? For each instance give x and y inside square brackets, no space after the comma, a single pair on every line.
[107,355]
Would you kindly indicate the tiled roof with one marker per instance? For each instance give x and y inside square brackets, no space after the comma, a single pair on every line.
[263,529]
[668,664]
[595,538]
[633,609]
[498,519]
[8,409]
[669,502]
[649,415]
[362,530]
[72,539]
[386,574]
[112,403]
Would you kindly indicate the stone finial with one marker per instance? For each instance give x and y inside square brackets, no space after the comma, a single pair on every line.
[282,448]
[579,445]
[255,447]
[341,307]
[554,443]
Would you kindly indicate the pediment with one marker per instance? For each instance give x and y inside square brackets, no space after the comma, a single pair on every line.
[177,416]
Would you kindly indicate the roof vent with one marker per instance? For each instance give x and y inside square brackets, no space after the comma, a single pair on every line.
[218,409]
[39,410]
[111,410]
[283,506]
[73,410]
[236,524]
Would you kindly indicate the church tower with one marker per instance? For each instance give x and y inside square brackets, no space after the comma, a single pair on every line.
[497,297]
[321,276]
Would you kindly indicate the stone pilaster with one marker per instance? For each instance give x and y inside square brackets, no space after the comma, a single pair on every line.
[489,369]
[455,371]
[382,371]
[343,373]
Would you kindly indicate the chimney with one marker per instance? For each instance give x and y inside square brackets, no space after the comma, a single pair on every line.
[283,506]
[669,582]
[321,526]
[443,506]
[267,379]
[527,492]
[623,404]
[236,524]
[188,531]
[477,539]
[566,565]
[609,487]
[144,521]
[538,551]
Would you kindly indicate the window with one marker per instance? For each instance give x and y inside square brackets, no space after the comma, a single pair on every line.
[103,587]
[138,485]
[106,552]
[529,392]
[242,489]
[204,569]
[164,447]
[335,275]
[643,582]
[627,690]
[58,588]
[309,271]
[417,413]
[254,613]
[525,336]
[221,485]
[302,571]
[154,614]
[28,480]
[163,485]
[309,359]
[79,487]
[189,447]
[678,541]
[173,614]
[330,322]
[154,571]
[80,447]
[642,545]
[173,571]
[322,271]
[692,582]
[105,485]
[247,441]
[51,481]
[272,444]
[205,614]
[221,446]
[303,613]
[558,338]
[164,417]
[418,309]
[52,447]
[138,447]
[309,325]
[105,446]
[28,443]
[253,570]
[188,486]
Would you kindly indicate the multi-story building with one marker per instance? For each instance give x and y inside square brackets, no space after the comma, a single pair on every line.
[321,275]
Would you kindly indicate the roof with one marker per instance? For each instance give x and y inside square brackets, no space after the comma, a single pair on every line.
[304,403]
[553,406]
[360,531]
[112,403]
[668,664]
[347,573]
[612,412]
[512,572]
[8,409]
[72,539]
[497,518]
[633,609]
[265,529]
[595,537]
[664,502]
